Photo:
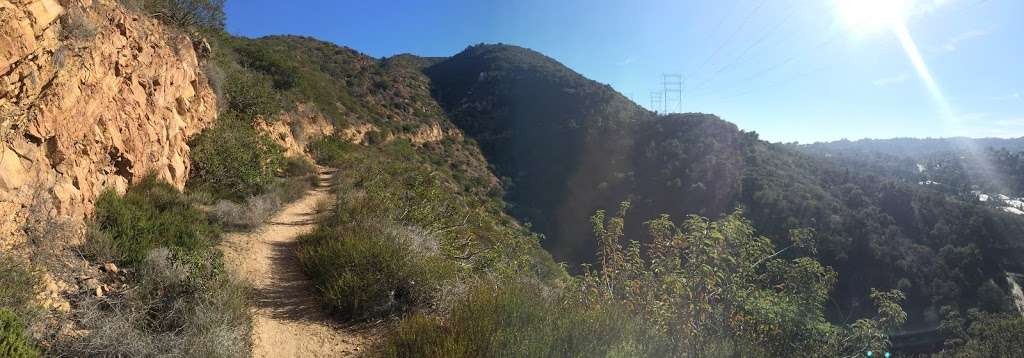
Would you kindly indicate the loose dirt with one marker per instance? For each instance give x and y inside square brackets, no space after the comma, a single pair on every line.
[288,320]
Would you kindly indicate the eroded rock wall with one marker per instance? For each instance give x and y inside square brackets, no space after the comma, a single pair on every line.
[92,96]
[293,130]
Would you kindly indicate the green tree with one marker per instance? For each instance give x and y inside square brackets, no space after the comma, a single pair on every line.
[716,288]
[990,335]
[232,160]
[251,95]
[187,14]
[991,298]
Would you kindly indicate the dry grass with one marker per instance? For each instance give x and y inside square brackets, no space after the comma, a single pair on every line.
[178,301]
[76,25]
[48,233]
[249,214]
[174,310]
[256,209]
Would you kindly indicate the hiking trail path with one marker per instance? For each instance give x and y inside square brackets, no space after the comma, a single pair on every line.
[288,319]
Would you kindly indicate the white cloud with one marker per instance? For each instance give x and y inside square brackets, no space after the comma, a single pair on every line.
[954,42]
[889,81]
[626,61]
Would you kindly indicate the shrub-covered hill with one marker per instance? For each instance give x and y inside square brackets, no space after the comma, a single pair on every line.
[567,146]
[377,103]
[371,101]
[546,129]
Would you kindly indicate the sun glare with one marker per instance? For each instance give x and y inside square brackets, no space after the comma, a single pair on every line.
[869,16]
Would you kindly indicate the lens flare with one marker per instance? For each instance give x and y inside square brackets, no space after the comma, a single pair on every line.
[871,16]
[921,68]
[947,114]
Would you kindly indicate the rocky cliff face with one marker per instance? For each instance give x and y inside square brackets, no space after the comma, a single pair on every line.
[293,130]
[92,96]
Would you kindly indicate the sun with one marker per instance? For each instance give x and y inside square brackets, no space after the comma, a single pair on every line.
[869,16]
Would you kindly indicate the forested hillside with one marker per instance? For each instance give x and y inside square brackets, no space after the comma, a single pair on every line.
[914,147]
[568,146]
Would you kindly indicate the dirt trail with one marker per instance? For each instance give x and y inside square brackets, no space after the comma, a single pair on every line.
[288,320]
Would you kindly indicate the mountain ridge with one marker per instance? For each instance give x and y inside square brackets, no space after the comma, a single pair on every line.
[538,122]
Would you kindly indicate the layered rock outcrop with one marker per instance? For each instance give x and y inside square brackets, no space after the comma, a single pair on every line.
[295,129]
[91,97]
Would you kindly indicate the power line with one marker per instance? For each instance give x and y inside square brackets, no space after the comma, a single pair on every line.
[657,100]
[778,83]
[732,35]
[717,27]
[672,91]
[771,68]
[743,54]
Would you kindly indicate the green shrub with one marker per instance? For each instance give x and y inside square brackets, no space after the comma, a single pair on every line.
[989,335]
[14,343]
[330,151]
[181,301]
[376,137]
[185,14]
[178,307]
[290,189]
[297,167]
[524,320]
[18,285]
[300,177]
[252,95]
[365,271]
[282,71]
[233,161]
[151,214]
[704,288]
[400,229]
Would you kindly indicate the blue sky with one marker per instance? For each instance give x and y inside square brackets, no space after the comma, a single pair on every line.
[792,70]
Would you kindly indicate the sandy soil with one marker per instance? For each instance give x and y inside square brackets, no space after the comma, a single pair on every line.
[288,320]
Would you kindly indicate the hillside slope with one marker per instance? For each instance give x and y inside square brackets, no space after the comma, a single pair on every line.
[569,146]
[368,101]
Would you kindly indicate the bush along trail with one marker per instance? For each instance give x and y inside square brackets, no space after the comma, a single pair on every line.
[287,318]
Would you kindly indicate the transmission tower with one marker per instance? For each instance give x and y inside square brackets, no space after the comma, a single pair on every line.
[672,92]
[657,101]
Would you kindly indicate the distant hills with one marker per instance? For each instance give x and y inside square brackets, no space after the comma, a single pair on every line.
[567,146]
[917,147]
